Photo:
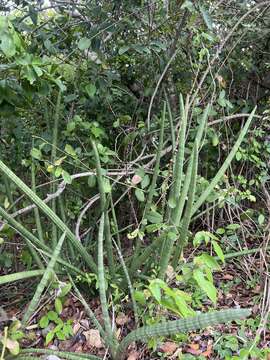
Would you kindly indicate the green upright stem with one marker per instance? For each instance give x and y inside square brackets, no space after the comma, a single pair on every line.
[64,219]
[53,158]
[103,205]
[36,210]
[101,283]
[187,216]
[154,180]
[43,282]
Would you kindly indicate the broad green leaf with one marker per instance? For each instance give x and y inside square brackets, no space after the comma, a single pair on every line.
[49,337]
[91,90]
[123,49]
[65,290]
[107,186]
[261,219]
[67,178]
[29,74]
[220,231]
[92,180]
[84,43]
[61,335]
[154,217]
[7,45]
[153,228]
[140,195]
[203,236]
[52,315]
[155,287]
[215,140]
[58,171]
[44,322]
[233,227]
[69,149]
[145,181]
[207,260]
[205,285]
[206,17]
[183,307]
[140,297]
[238,156]
[71,126]
[218,250]
[12,345]
[36,153]
[58,306]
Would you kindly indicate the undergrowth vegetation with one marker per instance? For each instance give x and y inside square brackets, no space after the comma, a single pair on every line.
[134,163]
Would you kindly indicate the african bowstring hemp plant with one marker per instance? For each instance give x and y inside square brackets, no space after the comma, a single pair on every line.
[43,282]
[180,326]
[143,333]
[52,215]
[167,328]
[177,220]
[184,187]
[152,187]
[103,206]
[164,329]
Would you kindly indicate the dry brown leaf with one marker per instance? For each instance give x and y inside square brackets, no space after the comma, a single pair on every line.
[118,333]
[208,352]
[76,328]
[136,179]
[93,338]
[122,319]
[194,349]
[168,347]
[227,277]
[134,355]
[85,324]
[177,354]
[170,272]
[221,81]
[194,346]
